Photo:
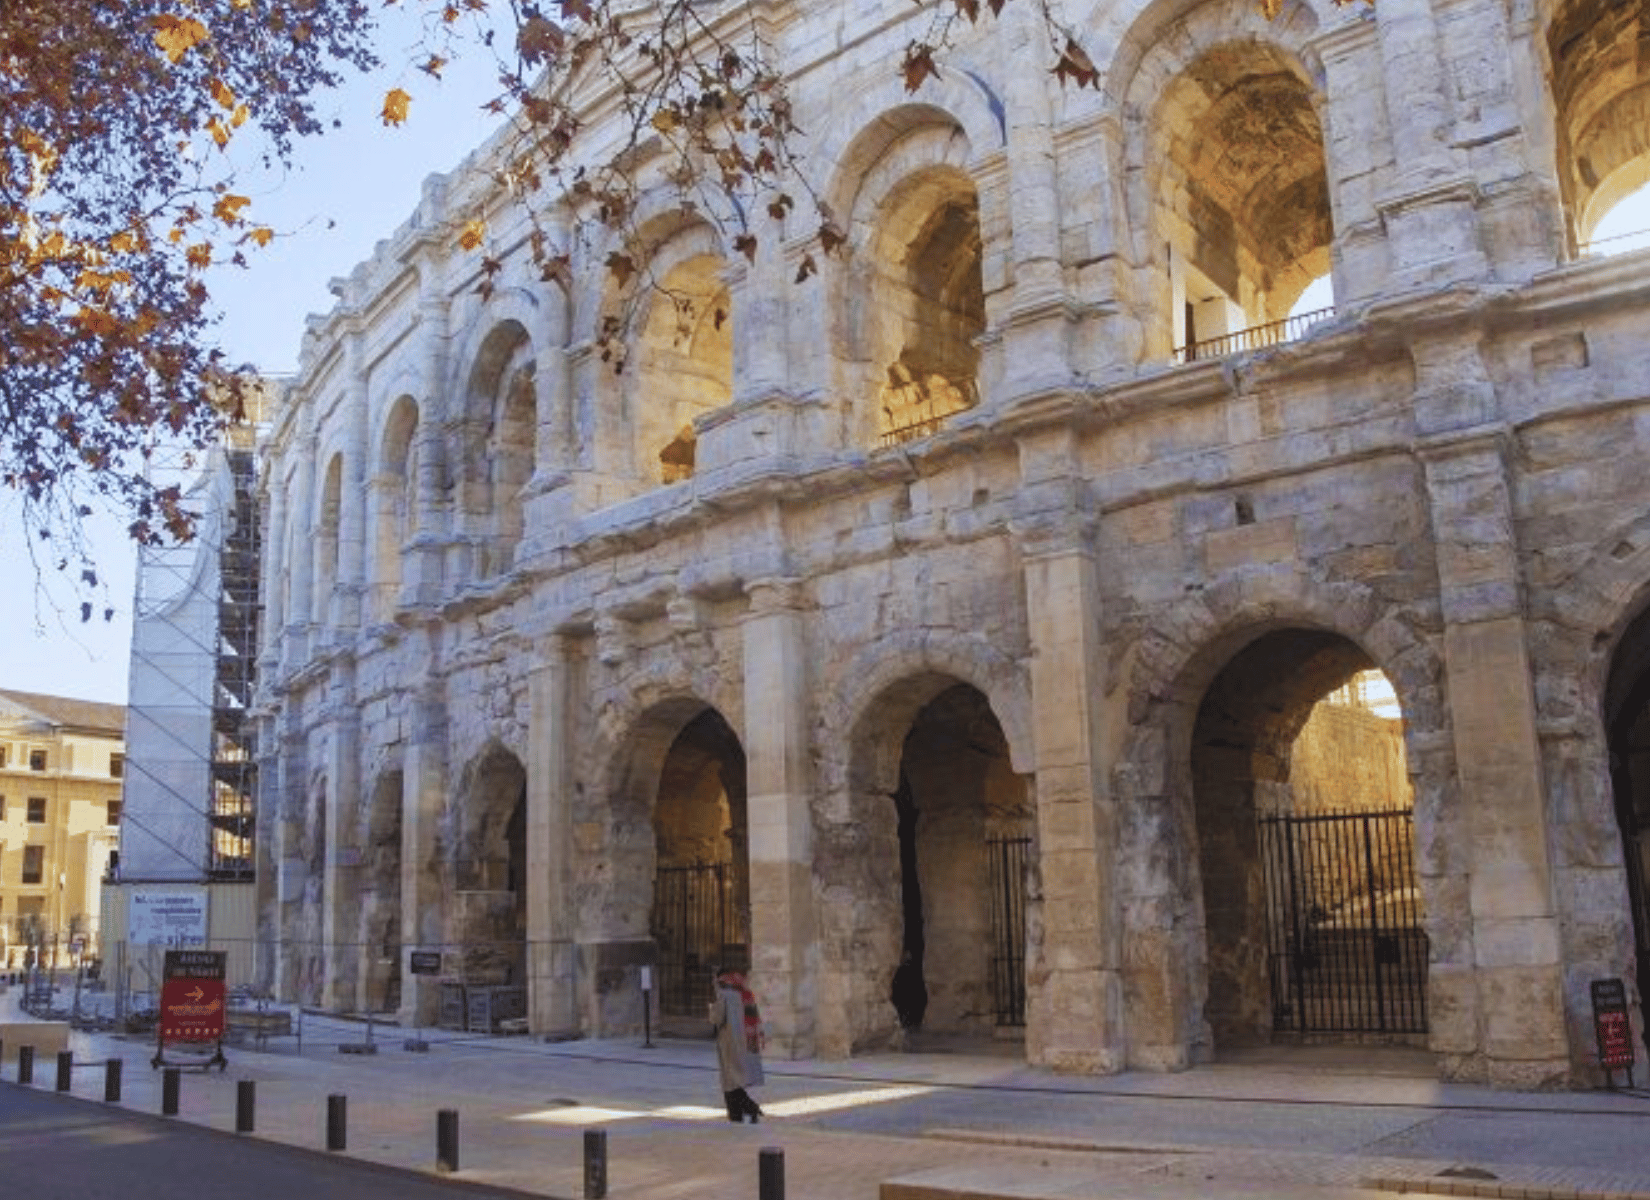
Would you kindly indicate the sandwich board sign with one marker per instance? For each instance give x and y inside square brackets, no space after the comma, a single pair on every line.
[192,1004]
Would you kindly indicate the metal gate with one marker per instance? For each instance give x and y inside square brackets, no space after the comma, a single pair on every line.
[690,926]
[1346,952]
[1006,859]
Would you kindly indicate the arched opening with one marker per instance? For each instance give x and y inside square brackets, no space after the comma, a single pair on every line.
[1313,922]
[700,918]
[1601,94]
[684,365]
[485,835]
[1242,201]
[1627,723]
[499,433]
[327,518]
[928,305]
[397,487]
[935,846]
[964,825]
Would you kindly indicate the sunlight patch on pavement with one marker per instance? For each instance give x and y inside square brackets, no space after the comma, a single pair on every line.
[840,1100]
[584,1114]
[578,1114]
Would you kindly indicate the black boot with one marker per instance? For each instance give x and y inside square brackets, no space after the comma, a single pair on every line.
[736,1110]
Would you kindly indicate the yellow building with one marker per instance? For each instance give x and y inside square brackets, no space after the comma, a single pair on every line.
[61,763]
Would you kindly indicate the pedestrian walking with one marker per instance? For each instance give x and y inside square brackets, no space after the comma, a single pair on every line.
[738,1025]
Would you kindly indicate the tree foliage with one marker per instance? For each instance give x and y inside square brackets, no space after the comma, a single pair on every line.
[116,196]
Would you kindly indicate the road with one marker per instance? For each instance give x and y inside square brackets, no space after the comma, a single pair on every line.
[56,1148]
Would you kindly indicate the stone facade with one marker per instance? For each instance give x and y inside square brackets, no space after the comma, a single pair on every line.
[976,539]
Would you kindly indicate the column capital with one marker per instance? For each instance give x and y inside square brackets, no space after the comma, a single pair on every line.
[776,593]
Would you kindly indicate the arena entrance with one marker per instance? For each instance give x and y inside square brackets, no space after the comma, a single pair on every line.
[1313,916]
[964,823]
[701,888]
[1627,716]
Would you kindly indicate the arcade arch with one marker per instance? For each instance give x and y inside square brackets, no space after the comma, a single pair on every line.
[937,852]
[684,357]
[1627,725]
[1313,923]
[485,837]
[397,487]
[498,435]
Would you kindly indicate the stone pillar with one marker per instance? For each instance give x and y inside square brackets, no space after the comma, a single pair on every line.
[1505,1008]
[286,829]
[351,583]
[274,568]
[551,953]
[421,566]
[423,911]
[1075,1011]
[340,919]
[1356,148]
[1430,206]
[300,553]
[778,776]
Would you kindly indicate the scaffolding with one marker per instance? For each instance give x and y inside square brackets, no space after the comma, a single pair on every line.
[191,780]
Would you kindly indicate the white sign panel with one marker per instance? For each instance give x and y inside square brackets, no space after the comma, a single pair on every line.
[169,917]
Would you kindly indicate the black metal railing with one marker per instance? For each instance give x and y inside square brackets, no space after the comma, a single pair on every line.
[1256,337]
[690,925]
[1006,859]
[1346,949]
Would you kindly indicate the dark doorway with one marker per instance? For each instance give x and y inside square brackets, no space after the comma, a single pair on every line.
[1627,710]
[700,918]
[964,822]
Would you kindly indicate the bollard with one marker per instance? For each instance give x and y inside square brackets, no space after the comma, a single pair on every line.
[595,1164]
[336,1116]
[446,1140]
[169,1080]
[246,1096]
[770,1174]
[25,1064]
[65,1070]
[111,1081]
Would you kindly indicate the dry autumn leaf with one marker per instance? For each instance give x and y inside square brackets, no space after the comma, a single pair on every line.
[396,103]
[176,36]
[472,235]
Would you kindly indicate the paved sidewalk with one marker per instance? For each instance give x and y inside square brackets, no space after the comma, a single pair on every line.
[1323,1124]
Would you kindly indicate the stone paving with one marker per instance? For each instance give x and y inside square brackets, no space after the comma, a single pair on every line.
[1288,1126]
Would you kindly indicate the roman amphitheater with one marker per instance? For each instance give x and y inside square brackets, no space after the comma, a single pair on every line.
[1028,599]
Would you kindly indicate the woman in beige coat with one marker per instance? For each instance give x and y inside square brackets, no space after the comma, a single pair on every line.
[738,1026]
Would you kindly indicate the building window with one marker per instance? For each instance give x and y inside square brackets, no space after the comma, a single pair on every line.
[37,760]
[34,862]
[117,766]
[5,755]
[2,808]
[37,810]
[114,813]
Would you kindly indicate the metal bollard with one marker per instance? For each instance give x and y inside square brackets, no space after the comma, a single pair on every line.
[111,1081]
[770,1174]
[169,1080]
[246,1097]
[446,1140]
[337,1113]
[595,1164]
[65,1070]
[25,1064]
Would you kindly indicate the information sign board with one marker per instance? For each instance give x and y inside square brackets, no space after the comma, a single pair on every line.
[192,996]
[1612,1027]
[426,962]
[166,917]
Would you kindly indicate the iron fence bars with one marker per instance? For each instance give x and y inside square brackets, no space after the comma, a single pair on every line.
[1006,864]
[691,906]
[1256,337]
[1346,950]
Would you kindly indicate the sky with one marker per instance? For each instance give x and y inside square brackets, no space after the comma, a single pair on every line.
[348,190]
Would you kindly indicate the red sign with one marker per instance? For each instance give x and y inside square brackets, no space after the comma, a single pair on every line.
[191,1010]
[1611,1026]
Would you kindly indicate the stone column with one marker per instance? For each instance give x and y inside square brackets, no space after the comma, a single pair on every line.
[778,775]
[551,952]
[351,584]
[286,829]
[340,919]
[274,568]
[1430,205]
[1075,1010]
[1506,1006]
[421,568]
[300,553]
[424,792]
